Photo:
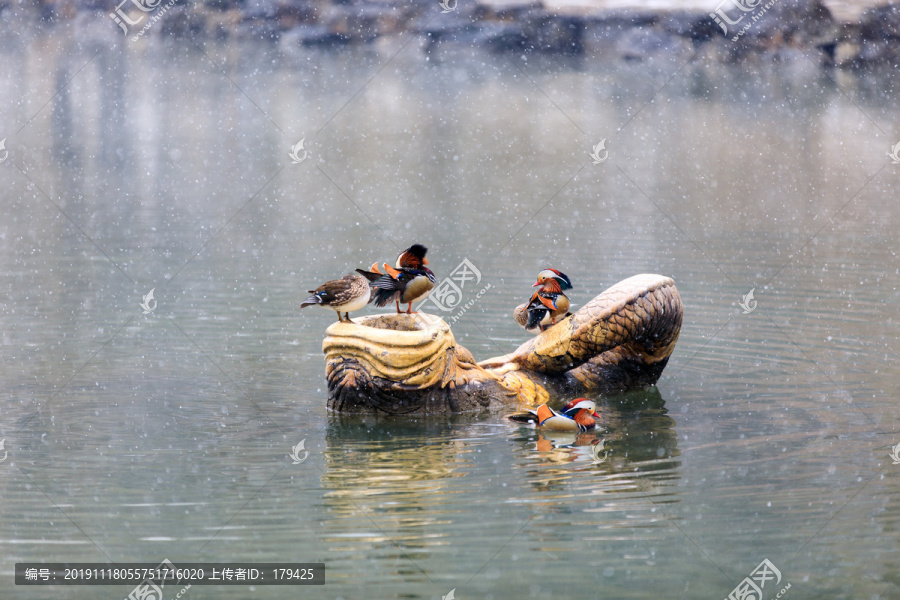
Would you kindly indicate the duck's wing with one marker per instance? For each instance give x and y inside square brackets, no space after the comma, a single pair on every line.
[535,317]
[387,282]
[386,289]
[371,276]
[526,416]
[330,292]
[549,302]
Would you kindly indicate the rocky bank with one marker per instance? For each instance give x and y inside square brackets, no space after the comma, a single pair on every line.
[733,31]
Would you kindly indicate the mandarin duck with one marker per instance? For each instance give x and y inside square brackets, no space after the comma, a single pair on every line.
[410,282]
[344,295]
[577,416]
[546,304]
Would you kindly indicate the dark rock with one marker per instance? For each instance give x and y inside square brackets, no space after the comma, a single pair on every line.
[223,5]
[602,31]
[698,27]
[622,20]
[532,31]
[502,37]
[554,34]
[878,52]
[881,23]
[465,14]
[368,21]
[515,12]
[782,21]
[291,14]
[181,21]
[260,29]
[319,36]
[101,5]
[353,23]
[754,30]
[639,44]
[260,9]
[452,29]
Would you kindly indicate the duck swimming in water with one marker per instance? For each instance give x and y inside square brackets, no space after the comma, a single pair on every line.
[578,416]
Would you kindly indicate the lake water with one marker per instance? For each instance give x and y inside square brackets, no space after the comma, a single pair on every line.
[164,166]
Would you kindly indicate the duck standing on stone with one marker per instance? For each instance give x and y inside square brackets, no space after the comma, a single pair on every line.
[344,295]
[546,304]
[578,416]
[410,282]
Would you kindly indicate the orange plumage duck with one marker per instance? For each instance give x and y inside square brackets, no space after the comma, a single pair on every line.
[579,415]
[411,281]
[548,304]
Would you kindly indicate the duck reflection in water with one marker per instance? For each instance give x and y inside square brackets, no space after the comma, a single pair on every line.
[634,435]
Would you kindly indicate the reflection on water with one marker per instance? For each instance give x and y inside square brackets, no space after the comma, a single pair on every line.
[636,446]
[398,489]
[140,437]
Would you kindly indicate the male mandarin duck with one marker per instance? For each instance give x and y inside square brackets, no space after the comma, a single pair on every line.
[410,282]
[577,416]
[344,295]
[547,304]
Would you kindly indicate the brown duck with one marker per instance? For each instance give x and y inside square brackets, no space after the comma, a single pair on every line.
[344,295]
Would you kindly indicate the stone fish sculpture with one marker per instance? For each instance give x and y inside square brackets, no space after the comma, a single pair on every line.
[406,364]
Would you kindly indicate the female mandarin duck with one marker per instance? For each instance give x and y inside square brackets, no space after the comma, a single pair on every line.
[547,304]
[577,416]
[410,282]
[344,295]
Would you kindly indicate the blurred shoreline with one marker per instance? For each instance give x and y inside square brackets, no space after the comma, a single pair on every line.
[841,34]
